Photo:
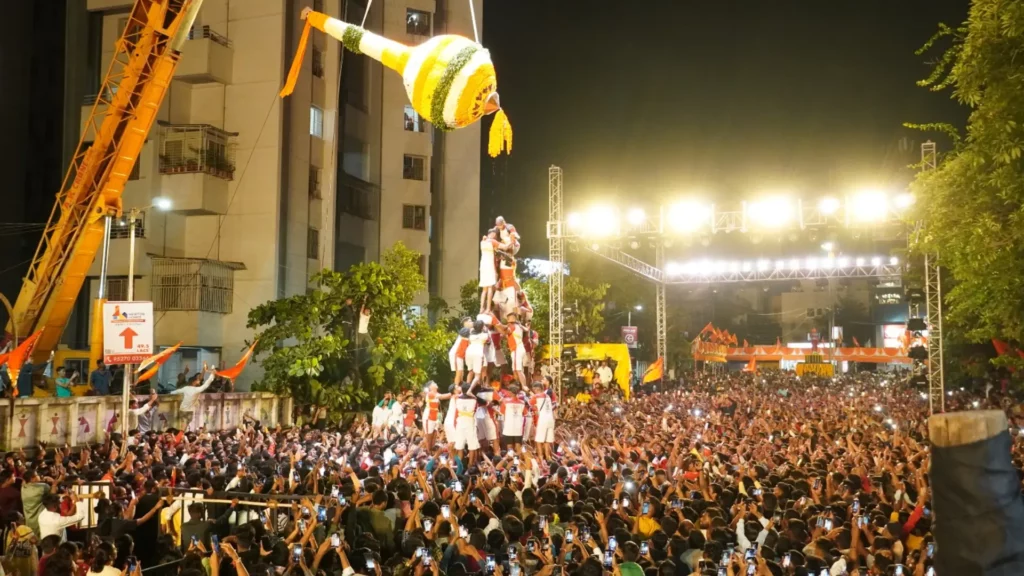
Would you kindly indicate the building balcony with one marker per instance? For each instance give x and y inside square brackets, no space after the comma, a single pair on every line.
[206,57]
[196,165]
[193,285]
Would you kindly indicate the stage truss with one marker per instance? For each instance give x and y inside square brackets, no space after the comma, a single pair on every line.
[561,234]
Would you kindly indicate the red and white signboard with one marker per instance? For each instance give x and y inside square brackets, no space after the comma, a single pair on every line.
[629,336]
[127,332]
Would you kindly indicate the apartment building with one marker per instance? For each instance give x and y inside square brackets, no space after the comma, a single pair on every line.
[263,191]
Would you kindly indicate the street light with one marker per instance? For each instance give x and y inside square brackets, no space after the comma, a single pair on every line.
[629,314]
[162,204]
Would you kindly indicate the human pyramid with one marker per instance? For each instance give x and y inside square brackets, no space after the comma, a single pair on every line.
[479,405]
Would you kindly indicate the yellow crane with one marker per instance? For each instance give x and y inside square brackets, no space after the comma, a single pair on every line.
[133,89]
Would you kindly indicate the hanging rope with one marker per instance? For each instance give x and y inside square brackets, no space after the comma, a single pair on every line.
[472,13]
[365,14]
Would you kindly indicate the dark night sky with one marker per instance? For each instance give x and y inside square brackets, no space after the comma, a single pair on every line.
[641,100]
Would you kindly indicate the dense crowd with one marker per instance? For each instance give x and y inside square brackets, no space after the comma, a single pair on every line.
[725,475]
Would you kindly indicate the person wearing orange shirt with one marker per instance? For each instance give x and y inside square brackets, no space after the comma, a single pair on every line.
[516,347]
[457,353]
[431,422]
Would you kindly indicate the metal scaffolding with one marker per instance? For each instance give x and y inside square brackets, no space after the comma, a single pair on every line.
[556,254]
[933,307]
[560,231]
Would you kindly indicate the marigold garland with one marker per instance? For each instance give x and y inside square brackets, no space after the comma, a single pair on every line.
[352,38]
[444,86]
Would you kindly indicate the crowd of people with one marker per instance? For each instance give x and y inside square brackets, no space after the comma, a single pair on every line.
[733,474]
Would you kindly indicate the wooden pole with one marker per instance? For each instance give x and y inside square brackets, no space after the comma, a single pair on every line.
[978,519]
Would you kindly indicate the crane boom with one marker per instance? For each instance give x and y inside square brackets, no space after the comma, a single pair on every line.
[139,76]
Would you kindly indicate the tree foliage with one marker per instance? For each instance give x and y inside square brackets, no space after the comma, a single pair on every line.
[308,346]
[587,300]
[973,202]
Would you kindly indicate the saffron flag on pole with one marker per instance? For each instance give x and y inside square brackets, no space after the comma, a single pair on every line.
[236,370]
[745,345]
[158,358]
[655,372]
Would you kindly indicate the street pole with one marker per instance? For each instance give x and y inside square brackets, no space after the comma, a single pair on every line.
[127,379]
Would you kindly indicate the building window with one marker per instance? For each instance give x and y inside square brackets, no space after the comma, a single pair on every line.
[414,217]
[423,265]
[316,121]
[117,289]
[414,167]
[193,284]
[413,121]
[312,243]
[121,227]
[417,22]
[314,182]
[318,62]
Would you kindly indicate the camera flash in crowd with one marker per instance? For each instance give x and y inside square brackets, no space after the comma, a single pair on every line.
[878,407]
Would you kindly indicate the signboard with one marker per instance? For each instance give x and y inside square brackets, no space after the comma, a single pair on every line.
[127,332]
[629,336]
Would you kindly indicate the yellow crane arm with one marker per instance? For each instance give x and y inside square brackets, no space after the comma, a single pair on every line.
[131,94]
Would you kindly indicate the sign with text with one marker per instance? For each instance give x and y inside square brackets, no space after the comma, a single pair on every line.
[127,332]
[629,336]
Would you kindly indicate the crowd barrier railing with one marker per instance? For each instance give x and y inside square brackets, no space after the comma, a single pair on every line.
[86,420]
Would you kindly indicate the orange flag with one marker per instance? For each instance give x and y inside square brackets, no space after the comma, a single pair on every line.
[855,342]
[147,374]
[17,359]
[751,366]
[158,358]
[236,370]
[745,345]
[655,372]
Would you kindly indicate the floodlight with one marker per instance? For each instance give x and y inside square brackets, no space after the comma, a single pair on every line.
[843,262]
[868,206]
[903,201]
[828,206]
[780,264]
[672,269]
[876,261]
[771,212]
[638,308]
[734,267]
[636,216]
[828,246]
[894,261]
[162,203]
[601,221]
[574,220]
[721,266]
[762,265]
[748,266]
[794,264]
[688,216]
[705,267]
[812,263]
[860,261]
[829,263]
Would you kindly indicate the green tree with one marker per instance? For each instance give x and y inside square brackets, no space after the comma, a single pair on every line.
[972,204]
[307,344]
[587,299]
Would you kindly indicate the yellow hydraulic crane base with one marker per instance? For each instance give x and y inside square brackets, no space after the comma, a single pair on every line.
[130,96]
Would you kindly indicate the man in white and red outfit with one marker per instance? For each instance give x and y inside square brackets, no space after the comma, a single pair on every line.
[457,353]
[513,410]
[431,421]
[486,428]
[493,354]
[507,234]
[543,407]
[517,348]
[465,426]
